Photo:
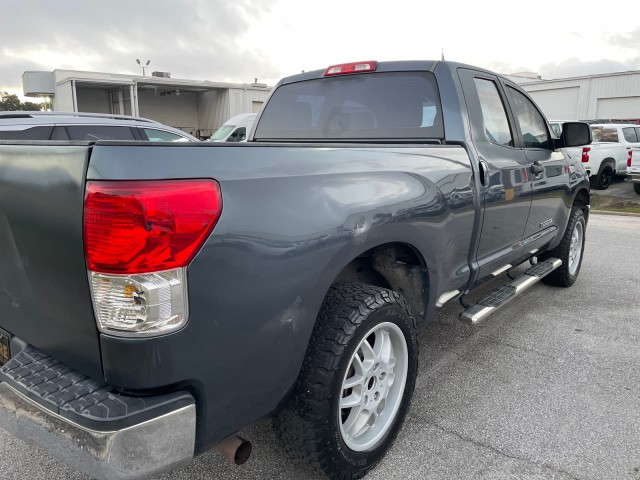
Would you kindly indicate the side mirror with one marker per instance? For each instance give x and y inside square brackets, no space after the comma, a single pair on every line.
[574,134]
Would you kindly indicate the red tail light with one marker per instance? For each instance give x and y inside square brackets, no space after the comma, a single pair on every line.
[147,226]
[585,154]
[355,67]
[630,153]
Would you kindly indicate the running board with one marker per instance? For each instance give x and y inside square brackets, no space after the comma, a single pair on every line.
[500,297]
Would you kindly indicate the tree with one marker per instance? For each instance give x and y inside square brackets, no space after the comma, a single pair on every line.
[11,102]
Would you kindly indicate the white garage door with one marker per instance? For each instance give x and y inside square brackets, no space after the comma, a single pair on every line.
[620,107]
[559,103]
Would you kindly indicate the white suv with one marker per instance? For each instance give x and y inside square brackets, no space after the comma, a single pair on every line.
[20,125]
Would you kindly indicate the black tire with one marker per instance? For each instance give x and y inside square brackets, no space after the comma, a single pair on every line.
[566,274]
[309,427]
[603,179]
[636,188]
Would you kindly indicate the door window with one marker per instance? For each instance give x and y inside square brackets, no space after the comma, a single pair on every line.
[99,132]
[533,130]
[630,134]
[238,136]
[496,124]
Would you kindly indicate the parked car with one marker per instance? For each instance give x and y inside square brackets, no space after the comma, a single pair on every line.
[609,153]
[235,129]
[23,125]
[157,299]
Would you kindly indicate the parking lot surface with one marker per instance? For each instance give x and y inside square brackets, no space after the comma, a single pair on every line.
[620,187]
[547,388]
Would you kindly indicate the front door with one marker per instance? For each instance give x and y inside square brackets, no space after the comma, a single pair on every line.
[549,171]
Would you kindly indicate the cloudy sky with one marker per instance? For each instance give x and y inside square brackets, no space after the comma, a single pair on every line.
[239,40]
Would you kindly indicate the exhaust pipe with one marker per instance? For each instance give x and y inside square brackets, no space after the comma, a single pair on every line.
[235,449]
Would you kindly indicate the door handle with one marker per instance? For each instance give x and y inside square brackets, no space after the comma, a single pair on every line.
[484,173]
[536,168]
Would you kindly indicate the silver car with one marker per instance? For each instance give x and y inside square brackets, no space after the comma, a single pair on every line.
[25,125]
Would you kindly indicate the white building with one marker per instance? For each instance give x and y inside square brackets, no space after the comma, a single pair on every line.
[610,96]
[195,106]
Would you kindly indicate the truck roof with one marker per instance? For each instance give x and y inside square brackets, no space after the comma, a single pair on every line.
[389,66]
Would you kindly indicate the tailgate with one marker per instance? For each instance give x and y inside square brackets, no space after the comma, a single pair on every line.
[635,161]
[44,292]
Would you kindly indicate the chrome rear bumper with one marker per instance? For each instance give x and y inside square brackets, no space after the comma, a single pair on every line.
[92,426]
[139,451]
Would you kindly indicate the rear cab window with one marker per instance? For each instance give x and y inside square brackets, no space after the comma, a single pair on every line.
[604,134]
[372,106]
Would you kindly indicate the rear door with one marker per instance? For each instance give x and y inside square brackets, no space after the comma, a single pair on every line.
[635,159]
[506,193]
[632,139]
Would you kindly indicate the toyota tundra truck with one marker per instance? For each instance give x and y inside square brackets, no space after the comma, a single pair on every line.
[157,298]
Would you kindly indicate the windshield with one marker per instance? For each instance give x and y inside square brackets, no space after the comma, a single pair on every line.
[393,105]
[222,132]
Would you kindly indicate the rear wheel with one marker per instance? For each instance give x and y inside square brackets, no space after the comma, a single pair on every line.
[356,382]
[570,251]
[636,188]
[603,179]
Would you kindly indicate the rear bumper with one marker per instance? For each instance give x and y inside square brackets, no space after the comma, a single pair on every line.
[90,427]
[634,177]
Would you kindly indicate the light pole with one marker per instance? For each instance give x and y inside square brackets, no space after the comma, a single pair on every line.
[143,66]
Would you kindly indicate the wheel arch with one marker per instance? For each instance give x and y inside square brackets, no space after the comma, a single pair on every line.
[608,160]
[398,266]
[582,199]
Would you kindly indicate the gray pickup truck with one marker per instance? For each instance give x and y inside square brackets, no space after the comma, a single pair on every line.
[155,299]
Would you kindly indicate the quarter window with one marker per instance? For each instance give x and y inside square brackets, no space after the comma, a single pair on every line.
[496,124]
[31,133]
[161,136]
[531,122]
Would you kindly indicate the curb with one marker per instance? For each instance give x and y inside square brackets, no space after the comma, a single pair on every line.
[607,212]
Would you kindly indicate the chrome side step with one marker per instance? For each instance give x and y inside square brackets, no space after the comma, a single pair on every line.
[500,297]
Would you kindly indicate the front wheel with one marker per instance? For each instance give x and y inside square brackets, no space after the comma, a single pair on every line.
[356,382]
[636,188]
[570,251]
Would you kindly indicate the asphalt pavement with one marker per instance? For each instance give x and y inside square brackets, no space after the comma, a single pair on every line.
[546,388]
[620,187]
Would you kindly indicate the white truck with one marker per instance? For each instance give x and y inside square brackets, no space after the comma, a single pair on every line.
[633,166]
[235,129]
[611,152]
